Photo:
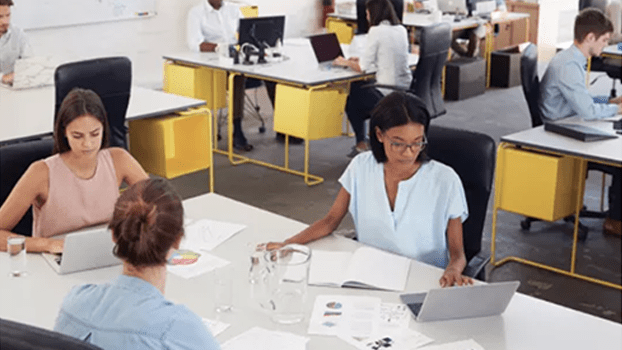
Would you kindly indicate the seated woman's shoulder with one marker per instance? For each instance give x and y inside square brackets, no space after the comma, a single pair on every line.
[441,170]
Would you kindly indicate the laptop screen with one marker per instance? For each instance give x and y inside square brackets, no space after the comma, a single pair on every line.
[326,47]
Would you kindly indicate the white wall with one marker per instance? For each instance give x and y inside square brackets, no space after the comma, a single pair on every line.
[145,40]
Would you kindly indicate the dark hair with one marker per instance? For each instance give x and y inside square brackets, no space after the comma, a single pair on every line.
[6,2]
[591,20]
[381,10]
[397,109]
[147,220]
[78,103]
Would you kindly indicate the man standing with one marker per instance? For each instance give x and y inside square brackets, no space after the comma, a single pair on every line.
[563,91]
[13,43]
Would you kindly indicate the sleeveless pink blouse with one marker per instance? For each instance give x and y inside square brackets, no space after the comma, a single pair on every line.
[73,202]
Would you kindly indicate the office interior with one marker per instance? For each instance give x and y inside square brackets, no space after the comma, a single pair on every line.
[498,112]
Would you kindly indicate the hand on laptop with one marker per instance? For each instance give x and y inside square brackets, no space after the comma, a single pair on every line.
[55,246]
[452,277]
[352,62]
[8,78]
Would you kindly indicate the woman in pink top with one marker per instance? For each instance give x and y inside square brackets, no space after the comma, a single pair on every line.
[78,185]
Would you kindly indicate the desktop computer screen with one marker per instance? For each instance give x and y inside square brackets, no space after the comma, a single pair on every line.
[453,6]
[262,31]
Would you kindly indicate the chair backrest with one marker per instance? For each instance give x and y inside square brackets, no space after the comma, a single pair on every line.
[362,26]
[599,4]
[530,82]
[435,41]
[472,156]
[19,336]
[110,78]
[14,160]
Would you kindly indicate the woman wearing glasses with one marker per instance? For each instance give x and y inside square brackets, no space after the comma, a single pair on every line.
[399,199]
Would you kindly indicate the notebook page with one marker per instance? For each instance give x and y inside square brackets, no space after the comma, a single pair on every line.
[327,268]
[378,269]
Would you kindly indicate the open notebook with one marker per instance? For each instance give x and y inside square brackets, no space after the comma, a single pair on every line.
[366,267]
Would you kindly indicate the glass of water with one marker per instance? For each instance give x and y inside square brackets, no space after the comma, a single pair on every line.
[16,247]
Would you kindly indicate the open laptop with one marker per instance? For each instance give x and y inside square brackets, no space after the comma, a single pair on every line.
[326,48]
[460,302]
[85,249]
[453,6]
[33,72]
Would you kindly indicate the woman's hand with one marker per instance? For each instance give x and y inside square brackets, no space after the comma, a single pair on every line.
[342,62]
[272,245]
[453,277]
[55,246]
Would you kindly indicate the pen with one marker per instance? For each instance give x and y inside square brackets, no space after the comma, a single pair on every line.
[140,14]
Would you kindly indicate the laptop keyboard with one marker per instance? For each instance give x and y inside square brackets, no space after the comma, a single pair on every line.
[415,308]
[58,259]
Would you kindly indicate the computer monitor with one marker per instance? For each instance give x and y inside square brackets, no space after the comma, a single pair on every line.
[453,6]
[262,31]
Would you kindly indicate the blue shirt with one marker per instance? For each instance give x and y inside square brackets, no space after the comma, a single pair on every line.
[417,226]
[563,92]
[130,313]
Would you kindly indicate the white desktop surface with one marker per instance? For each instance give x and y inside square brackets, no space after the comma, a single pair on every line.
[299,66]
[605,150]
[614,50]
[30,112]
[528,323]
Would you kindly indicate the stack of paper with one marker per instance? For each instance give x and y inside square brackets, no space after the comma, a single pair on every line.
[207,234]
[258,338]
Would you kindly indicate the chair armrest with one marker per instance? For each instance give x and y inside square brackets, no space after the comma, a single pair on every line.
[475,267]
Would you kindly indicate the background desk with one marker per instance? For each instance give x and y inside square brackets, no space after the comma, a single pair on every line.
[528,323]
[310,101]
[531,162]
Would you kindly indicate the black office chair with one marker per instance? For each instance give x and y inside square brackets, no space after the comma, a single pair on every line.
[110,78]
[19,336]
[14,160]
[472,156]
[434,42]
[599,4]
[362,26]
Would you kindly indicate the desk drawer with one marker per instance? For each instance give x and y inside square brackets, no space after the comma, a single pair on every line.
[310,114]
[171,146]
[536,184]
[197,82]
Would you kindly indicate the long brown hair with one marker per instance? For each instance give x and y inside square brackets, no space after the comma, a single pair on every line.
[381,10]
[147,220]
[78,103]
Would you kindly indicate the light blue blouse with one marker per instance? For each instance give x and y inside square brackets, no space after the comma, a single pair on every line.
[131,313]
[563,92]
[417,227]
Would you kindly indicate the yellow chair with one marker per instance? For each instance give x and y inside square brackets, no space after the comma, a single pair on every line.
[249,11]
[344,30]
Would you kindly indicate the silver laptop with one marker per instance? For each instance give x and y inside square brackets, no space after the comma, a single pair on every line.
[33,72]
[326,48]
[86,249]
[461,302]
[453,6]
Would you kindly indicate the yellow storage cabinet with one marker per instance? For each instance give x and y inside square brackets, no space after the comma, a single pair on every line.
[537,185]
[197,82]
[308,113]
[249,11]
[344,30]
[172,146]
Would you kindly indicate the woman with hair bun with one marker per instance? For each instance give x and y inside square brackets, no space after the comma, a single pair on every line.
[131,312]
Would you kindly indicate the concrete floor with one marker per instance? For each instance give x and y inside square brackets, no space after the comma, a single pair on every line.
[498,112]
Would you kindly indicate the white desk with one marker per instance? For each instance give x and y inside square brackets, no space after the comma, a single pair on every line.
[528,323]
[537,139]
[299,68]
[29,113]
[613,51]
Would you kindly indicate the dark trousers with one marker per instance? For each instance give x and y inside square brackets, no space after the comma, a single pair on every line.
[615,196]
[359,105]
[240,83]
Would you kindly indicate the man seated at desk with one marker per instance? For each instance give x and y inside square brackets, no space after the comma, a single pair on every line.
[473,35]
[13,43]
[563,91]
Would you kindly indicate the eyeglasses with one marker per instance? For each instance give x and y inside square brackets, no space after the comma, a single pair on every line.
[414,147]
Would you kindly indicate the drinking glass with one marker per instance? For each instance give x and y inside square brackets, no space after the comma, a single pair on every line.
[16,247]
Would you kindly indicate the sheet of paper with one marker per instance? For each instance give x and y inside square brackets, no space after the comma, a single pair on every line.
[258,338]
[322,269]
[190,264]
[398,339]
[458,345]
[354,316]
[207,234]
[394,316]
[215,327]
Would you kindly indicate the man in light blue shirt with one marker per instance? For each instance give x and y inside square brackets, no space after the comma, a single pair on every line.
[563,91]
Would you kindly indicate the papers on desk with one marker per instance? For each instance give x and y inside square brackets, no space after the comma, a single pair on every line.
[458,345]
[188,264]
[207,234]
[405,339]
[367,267]
[258,338]
[353,316]
[215,327]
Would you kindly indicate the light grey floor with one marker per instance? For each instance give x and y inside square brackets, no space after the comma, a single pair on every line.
[498,112]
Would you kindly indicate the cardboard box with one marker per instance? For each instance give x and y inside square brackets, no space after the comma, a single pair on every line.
[464,78]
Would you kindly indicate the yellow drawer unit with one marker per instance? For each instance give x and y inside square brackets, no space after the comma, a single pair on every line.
[537,185]
[172,146]
[249,11]
[197,82]
[310,114]
[345,31]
